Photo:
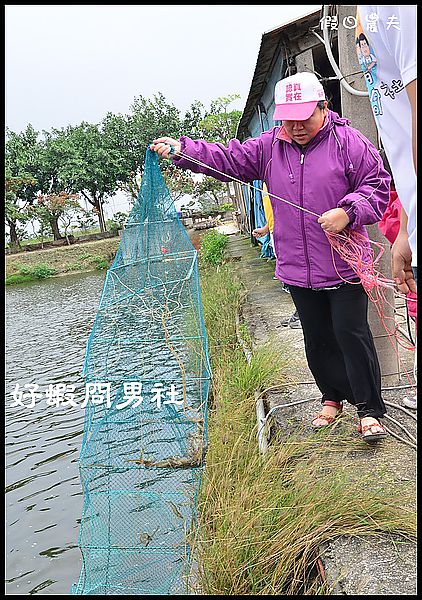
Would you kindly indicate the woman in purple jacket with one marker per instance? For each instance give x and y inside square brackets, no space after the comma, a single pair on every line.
[321,175]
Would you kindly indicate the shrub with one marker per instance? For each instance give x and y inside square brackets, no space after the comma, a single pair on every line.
[213,247]
[100,262]
[117,222]
[40,271]
[24,270]
[226,207]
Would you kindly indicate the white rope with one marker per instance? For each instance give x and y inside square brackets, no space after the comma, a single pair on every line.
[201,164]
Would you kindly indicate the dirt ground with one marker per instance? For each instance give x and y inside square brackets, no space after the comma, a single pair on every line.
[381,565]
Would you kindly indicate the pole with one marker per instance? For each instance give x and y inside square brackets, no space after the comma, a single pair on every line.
[359,111]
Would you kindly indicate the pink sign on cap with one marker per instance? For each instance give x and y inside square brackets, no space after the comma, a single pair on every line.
[296,97]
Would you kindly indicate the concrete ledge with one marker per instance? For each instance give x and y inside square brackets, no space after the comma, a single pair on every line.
[382,566]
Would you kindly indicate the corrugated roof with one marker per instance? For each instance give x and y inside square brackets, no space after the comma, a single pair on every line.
[270,42]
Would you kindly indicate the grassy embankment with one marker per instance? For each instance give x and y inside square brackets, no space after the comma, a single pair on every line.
[263,520]
[41,264]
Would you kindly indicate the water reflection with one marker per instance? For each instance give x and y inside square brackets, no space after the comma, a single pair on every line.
[47,325]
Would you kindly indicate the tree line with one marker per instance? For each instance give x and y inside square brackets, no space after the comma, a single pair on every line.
[47,173]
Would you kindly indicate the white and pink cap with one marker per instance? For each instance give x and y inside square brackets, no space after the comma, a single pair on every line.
[297,96]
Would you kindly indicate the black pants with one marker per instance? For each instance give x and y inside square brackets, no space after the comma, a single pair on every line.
[339,346]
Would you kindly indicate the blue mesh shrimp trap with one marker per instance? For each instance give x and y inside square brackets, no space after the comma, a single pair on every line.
[147,377]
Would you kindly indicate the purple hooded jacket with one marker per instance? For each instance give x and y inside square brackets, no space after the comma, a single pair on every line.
[338,168]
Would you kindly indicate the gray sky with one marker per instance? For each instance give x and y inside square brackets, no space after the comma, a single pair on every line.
[71,63]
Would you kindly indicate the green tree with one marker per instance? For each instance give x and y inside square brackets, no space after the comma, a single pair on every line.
[34,162]
[97,160]
[23,157]
[118,133]
[211,193]
[148,119]
[50,208]
[219,125]
[130,135]
[194,116]
[15,209]
[84,221]
[120,218]
[89,163]
[180,182]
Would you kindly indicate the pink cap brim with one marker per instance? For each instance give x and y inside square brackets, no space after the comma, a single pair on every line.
[294,112]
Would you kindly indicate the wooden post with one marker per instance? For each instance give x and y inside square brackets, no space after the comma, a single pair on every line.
[358,110]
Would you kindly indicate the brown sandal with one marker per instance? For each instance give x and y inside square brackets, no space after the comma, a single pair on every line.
[374,435]
[328,418]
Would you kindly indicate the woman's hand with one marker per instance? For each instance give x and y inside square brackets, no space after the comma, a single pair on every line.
[260,231]
[163,146]
[334,220]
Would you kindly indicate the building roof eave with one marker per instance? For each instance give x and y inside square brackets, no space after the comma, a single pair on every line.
[271,42]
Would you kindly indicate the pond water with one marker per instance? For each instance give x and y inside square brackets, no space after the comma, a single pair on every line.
[47,326]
